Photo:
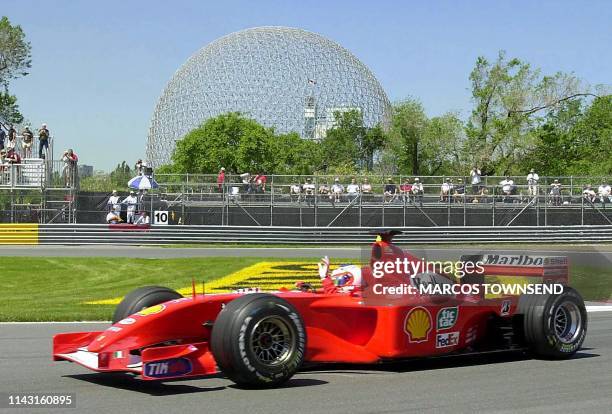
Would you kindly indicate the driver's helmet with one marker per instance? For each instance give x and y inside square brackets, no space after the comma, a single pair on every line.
[347,278]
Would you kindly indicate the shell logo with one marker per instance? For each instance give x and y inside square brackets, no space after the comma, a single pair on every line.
[418,324]
[151,310]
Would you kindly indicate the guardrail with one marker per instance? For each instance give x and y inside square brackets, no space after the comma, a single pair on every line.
[75,234]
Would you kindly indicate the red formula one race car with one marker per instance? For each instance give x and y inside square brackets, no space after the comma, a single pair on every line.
[262,339]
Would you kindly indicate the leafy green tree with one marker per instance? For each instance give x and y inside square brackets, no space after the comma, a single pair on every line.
[15,61]
[241,144]
[9,110]
[15,52]
[408,126]
[510,100]
[230,140]
[341,145]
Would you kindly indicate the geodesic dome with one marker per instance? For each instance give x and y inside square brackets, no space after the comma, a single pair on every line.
[286,78]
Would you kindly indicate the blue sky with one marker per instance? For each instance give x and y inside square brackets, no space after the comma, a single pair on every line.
[99,67]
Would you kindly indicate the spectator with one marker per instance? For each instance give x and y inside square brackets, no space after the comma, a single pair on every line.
[12,157]
[143,218]
[605,193]
[309,191]
[3,161]
[26,142]
[132,202]
[2,138]
[140,167]
[221,179]
[476,179]
[405,190]
[352,190]
[507,187]
[366,189]
[532,182]
[113,217]
[113,203]
[43,141]
[246,182]
[589,194]
[459,192]
[555,193]
[417,191]
[70,162]
[12,139]
[482,196]
[390,191]
[337,190]
[446,190]
[324,191]
[295,192]
[260,183]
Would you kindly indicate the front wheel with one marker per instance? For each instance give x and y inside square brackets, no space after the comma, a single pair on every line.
[142,298]
[258,340]
[554,326]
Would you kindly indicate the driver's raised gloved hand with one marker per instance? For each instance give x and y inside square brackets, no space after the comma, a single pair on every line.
[324,267]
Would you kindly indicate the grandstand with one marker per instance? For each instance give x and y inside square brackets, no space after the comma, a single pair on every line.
[38,190]
[198,199]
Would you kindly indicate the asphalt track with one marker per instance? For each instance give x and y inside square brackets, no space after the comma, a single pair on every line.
[595,255]
[492,384]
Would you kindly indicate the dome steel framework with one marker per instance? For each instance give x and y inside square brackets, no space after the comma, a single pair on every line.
[286,78]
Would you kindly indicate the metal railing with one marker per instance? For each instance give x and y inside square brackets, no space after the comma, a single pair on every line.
[108,234]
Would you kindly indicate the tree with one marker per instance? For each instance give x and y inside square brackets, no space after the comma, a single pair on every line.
[419,145]
[510,100]
[407,128]
[575,139]
[9,110]
[442,146]
[15,52]
[341,145]
[230,140]
[241,145]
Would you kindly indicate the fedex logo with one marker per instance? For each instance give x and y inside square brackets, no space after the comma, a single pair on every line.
[174,367]
[447,339]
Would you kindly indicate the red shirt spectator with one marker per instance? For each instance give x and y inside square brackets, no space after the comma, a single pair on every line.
[260,182]
[221,179]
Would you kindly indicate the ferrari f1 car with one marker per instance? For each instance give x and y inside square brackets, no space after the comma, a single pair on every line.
[262,339]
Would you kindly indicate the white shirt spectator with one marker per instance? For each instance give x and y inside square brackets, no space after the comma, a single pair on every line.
[143,219]
[533,178]
[295,189]
[246,178]
[309,188]
[352,189]
[604,190]
[112,217]
[131,202]
[507,185]
[417,187]
[475,176]
[446,187]
[113,202]
[337,188]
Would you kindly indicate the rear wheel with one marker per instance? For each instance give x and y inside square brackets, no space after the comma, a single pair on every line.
[258,340]
[554,326]
[142,298]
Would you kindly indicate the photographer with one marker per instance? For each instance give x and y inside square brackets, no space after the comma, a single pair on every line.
[69,171]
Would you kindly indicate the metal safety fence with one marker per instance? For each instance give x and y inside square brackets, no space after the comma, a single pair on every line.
[75,234]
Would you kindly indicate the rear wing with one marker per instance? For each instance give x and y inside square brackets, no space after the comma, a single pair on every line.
[533,268]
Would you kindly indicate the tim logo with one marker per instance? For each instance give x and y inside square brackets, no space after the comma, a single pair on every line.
[168,368]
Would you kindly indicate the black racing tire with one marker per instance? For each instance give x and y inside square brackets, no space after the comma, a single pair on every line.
[141,298]
[258,340]
[555,325]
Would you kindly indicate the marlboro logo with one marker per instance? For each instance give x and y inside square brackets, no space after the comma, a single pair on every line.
[523,260]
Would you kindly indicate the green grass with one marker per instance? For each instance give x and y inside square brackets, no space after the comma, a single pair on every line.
[54,289]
